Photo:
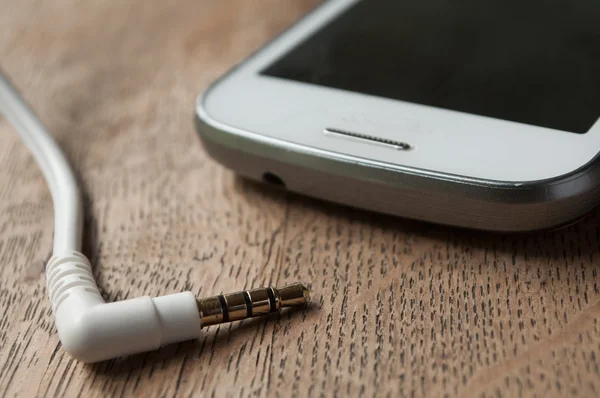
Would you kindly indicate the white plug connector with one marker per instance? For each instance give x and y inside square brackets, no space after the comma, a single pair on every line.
[92,330]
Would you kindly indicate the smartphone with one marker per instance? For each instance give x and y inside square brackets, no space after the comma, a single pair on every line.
[480,114]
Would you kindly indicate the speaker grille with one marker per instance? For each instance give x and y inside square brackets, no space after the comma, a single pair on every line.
[399,145]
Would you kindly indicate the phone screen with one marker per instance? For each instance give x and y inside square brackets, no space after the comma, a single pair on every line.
[535,62]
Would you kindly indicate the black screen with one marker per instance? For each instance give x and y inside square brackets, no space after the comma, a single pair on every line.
[529,61]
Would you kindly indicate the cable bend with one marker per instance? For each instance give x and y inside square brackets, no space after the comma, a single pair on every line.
[90,329]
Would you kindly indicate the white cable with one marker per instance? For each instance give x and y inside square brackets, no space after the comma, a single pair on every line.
[54,166]
[90,329]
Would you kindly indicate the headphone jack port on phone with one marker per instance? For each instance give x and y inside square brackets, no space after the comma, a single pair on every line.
[273,179]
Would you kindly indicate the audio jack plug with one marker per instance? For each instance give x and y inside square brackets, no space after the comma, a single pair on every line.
[250,303]
[89,328]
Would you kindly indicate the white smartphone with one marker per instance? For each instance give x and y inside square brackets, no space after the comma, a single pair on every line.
[482,114]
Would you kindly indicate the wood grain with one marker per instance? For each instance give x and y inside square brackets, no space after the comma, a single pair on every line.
[399,308]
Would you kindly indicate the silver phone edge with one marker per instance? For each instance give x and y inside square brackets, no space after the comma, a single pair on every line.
[403,191]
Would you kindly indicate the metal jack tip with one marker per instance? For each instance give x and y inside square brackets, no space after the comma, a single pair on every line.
[250,303]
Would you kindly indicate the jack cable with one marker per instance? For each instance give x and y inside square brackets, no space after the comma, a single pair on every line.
[90,329]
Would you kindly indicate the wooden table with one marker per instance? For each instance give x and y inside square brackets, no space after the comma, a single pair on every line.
[399,307]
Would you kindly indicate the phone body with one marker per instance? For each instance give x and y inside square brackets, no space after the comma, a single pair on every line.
[421,110]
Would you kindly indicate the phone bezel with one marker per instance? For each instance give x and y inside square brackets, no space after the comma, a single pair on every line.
[442,141]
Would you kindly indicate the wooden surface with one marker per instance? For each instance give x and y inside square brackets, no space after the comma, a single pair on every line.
[399,307]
